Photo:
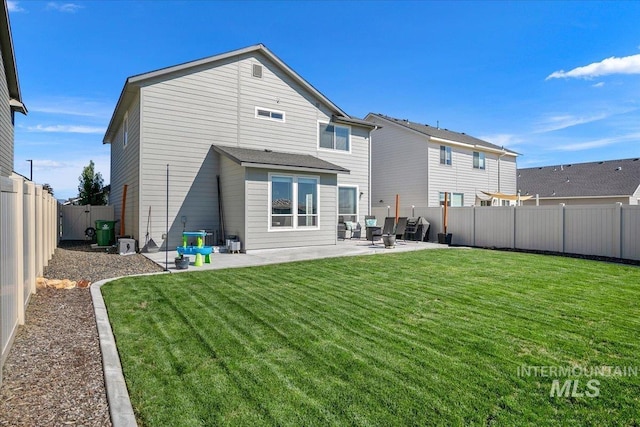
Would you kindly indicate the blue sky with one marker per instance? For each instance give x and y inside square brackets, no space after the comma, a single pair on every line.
[558,82]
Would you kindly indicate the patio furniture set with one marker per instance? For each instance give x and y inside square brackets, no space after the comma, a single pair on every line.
[389,232]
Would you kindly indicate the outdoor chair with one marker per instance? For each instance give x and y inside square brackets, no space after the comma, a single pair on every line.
[356,231]
[374,231]
[342,231]
[401,228]
[389,225]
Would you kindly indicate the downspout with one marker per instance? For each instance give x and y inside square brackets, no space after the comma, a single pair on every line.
[369,177]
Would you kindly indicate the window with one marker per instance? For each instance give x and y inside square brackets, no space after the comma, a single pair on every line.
[453,199]
[478,160]
[334,137]
[445,155]
[294,202]
[485,202]
[307,202]
[281,201]
[256,71]
[265,113]
[125,130]
[348,203]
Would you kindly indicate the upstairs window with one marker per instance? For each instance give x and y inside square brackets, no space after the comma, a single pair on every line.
[478,160]
[445,155]
[334,137]
[256,70]
[268,114]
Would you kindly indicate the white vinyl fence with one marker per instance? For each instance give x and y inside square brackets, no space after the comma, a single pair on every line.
[28,238]
[76,219]
[597,230]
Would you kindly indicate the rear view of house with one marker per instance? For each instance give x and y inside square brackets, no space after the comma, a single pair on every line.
[422,163]
[253,151]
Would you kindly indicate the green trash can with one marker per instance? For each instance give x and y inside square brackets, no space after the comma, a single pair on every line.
[105,232]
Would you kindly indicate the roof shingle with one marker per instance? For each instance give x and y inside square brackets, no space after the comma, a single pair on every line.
[605,178]
[267,158]
[437,132]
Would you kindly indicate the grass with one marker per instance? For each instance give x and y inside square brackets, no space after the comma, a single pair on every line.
[418,338]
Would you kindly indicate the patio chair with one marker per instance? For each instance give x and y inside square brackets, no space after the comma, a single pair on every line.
[388,232]
[389,225]
[411,228]
[356,232]
[374,231]
[401,228]
[342,231]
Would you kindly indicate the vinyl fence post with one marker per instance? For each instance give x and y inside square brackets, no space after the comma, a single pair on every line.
[617,231]
[564,217]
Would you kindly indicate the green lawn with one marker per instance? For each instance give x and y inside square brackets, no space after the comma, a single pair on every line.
[419,338]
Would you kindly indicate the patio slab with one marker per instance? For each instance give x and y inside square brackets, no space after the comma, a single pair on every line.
[349,247]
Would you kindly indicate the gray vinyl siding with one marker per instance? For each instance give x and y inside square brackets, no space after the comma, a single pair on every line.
[358,164]
[124,170]
[6,127]
[232,184]
[399,166]
[185,114]
[258,234]
[508,174]
[635,197]
[461,177]
[407,163]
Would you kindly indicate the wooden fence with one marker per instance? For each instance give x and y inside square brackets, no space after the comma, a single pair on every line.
[28,238]
[597,230]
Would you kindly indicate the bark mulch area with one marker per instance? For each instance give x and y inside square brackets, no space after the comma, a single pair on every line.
[53,375]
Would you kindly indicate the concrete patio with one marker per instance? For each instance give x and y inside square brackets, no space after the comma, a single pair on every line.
[348,247]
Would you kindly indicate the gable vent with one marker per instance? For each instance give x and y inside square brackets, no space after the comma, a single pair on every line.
[257,71]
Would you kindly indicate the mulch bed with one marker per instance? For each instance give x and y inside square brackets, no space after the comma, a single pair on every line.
[53,375]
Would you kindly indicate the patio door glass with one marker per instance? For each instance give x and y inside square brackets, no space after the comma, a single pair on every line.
[348,203]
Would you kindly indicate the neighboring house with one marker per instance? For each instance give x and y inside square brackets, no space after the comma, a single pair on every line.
[9,93]
[602,182]
[421,163]
[289,161]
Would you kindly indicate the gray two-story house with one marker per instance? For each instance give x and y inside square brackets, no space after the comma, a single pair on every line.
[252,150]
[422,163]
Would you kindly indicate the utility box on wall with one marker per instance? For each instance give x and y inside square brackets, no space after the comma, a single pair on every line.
[126,246]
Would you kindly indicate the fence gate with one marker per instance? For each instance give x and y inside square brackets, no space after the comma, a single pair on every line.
[76,219]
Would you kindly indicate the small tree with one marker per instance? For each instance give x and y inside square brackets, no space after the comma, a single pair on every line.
[47,188]
[90,189]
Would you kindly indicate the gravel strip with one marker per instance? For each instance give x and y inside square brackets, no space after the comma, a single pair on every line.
[53,375]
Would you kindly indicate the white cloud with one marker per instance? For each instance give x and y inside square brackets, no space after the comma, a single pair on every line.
[563,121]
[503,139]
[64,7]
[48,164]
[13,6]
[599,84]
[613,65]
[66,129]
[63,175]
[579,146]
[72,106]
[554,123]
